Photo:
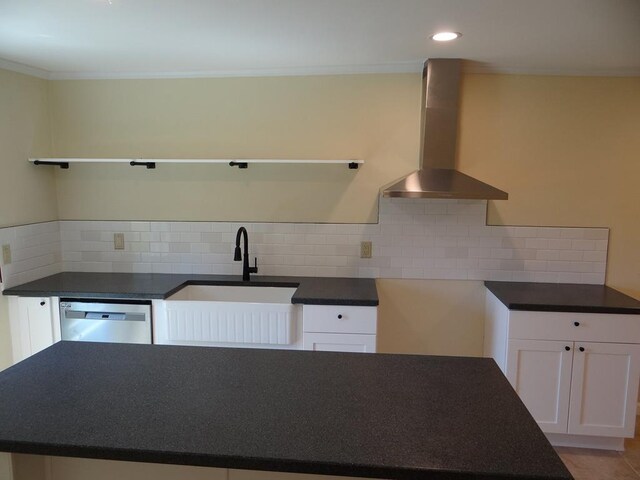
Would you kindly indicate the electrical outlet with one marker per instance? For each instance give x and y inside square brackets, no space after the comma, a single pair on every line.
[118,241]
[365,249]
[6,254]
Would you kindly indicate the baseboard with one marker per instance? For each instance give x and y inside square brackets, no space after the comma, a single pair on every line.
[585,441]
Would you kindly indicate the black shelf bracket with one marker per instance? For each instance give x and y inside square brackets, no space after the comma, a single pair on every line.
[133,163]
[233,163]
[353,165]
[64,165]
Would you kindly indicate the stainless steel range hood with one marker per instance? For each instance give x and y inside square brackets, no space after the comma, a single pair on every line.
[437,177]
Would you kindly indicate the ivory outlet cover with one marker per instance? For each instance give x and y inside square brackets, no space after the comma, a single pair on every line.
[118,241]
[365,249]
[6,254]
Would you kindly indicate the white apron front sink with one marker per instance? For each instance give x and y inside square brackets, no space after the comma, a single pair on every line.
[219,315]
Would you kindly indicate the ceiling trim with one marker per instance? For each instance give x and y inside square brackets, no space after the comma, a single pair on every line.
[469,66]
[479,67]
[25,69]
[403,67]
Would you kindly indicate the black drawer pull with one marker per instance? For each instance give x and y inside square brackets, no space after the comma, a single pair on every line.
[340,316]
[577,324]
[581,349]
[567,348]
[42,303]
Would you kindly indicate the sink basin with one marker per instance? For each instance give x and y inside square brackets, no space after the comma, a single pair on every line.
[224,293]
[220,315]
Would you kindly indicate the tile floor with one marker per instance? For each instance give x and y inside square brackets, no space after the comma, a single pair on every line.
[585,464]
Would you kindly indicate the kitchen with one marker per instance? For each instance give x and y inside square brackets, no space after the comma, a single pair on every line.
[563,145]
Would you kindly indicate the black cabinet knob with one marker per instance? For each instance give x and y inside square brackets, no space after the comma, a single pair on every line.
[581,349]
[577,324]
[340,316]
[567,348]
[42,303]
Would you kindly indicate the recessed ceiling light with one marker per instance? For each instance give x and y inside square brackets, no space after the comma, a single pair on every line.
[445,36]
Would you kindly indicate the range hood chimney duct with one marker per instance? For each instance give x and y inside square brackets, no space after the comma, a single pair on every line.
[437,177]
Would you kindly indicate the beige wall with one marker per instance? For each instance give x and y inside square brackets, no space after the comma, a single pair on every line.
[27,194]
[567,149]
[434,317]
[370,117]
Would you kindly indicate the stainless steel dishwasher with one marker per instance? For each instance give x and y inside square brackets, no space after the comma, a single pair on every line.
[114,321]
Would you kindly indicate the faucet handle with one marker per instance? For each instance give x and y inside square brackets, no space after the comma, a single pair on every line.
[254,269]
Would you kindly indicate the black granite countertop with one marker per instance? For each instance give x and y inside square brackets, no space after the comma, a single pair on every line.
[368,415]
[310,290]
[563,297]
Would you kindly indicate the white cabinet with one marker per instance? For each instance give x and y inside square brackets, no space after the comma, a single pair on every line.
[338,328]
[339,342]
[34,323]
[604,389]
[577,373]
[540,371]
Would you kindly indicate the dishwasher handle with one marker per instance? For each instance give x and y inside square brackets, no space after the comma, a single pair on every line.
[105,316]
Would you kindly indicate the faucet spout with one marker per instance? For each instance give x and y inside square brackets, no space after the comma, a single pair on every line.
[246,269]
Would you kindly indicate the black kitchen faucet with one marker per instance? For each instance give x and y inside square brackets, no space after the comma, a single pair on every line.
[237,256]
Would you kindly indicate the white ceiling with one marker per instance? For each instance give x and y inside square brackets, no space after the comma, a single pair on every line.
[156,38]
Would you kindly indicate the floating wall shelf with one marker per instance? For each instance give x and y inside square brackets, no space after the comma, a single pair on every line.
[151,162]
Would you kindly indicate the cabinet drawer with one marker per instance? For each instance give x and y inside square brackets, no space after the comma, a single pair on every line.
[339,319]
[338,342]
[593,327]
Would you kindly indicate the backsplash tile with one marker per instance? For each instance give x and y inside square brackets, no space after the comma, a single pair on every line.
[35,252]
[415,238]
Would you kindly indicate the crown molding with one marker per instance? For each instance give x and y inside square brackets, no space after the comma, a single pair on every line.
[400,67]
[403,67]
[485,68]
[24,69]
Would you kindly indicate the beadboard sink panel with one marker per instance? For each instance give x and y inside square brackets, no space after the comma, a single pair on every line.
[203,322]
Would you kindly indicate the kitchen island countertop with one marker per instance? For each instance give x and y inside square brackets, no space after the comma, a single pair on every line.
[379,416]
[149,286]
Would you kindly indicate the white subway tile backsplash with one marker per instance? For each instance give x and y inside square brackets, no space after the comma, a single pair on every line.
[560,244]
[571,255]
[595,256]
[583,245]
[571,233]
[416,238]
[35,252]
[597,278]
[596,234]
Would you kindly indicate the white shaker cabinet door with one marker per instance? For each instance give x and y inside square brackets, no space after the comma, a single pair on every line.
[540,372]
[604,388]
[35,325]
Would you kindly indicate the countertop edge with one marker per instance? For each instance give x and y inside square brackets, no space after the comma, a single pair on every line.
[247,463]
[337,302]
[368,300]
[524,307]
[544,305]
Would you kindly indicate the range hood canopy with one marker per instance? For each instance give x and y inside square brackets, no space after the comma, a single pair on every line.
[437,177]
